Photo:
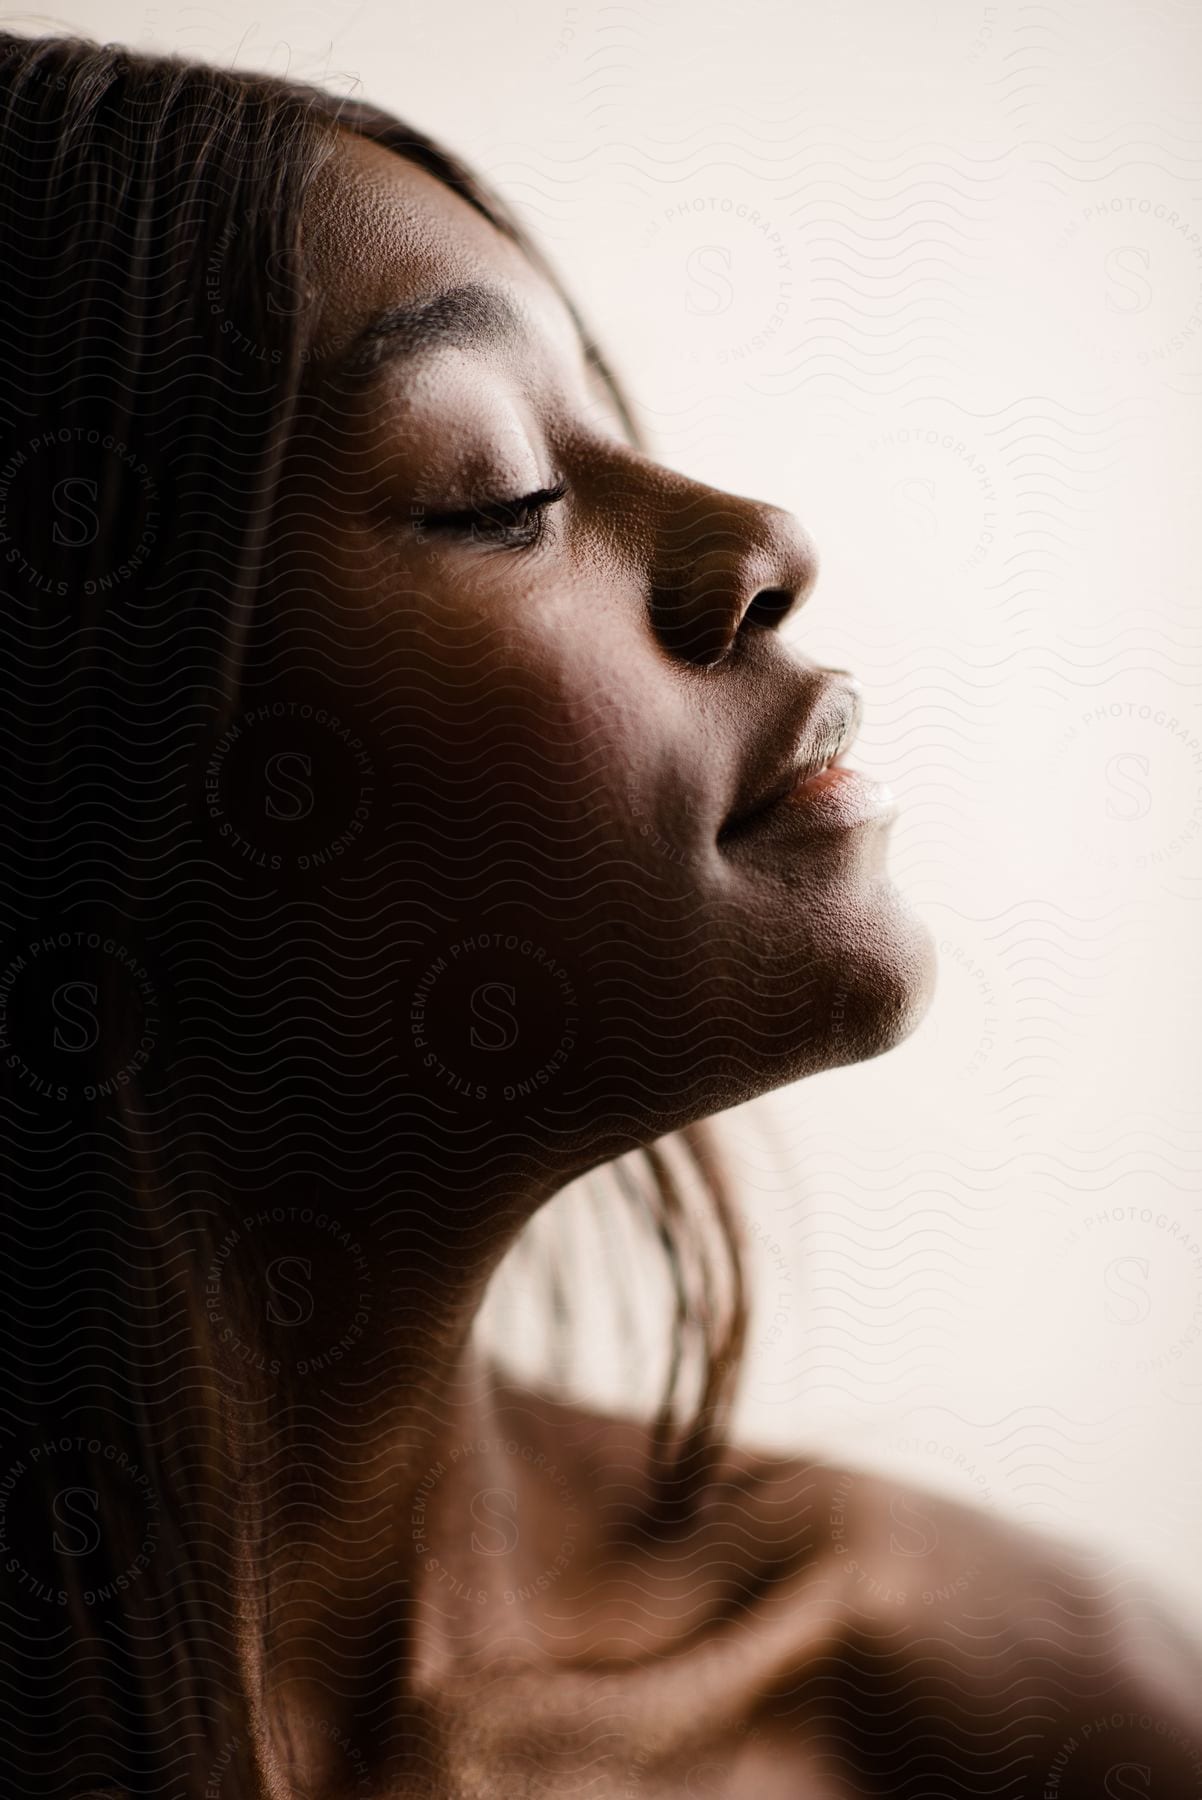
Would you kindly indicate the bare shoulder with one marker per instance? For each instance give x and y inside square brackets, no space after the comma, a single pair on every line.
[931,1646]
[966,1641]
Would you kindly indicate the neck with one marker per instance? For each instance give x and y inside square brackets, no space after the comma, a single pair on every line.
[346,1326]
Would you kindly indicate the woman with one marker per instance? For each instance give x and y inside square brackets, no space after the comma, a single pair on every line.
[413,807]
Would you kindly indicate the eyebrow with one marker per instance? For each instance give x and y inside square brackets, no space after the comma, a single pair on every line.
[473,314]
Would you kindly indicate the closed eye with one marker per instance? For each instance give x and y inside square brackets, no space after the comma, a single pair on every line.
[516,523]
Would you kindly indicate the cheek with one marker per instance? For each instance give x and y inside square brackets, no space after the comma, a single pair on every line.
[538,697]
[504,744]
[655,781]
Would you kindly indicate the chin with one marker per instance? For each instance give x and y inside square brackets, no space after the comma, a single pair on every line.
[865,991]
[853,979]
[883,980]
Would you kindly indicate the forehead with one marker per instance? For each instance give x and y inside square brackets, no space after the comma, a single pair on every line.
[380,231]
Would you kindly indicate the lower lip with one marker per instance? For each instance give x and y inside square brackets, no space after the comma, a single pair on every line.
[837,799]
[840,798]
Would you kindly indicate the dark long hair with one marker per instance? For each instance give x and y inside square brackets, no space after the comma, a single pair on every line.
[150,234]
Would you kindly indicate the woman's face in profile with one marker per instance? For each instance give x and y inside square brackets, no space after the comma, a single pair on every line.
[621,851]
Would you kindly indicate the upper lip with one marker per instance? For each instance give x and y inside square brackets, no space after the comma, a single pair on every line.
[805,741]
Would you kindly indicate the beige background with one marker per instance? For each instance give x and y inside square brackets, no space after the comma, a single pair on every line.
[929,272]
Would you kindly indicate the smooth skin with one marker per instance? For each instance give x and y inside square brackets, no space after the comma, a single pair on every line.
[561,733]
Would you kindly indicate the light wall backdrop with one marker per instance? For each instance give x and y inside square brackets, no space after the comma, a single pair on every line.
[929,273]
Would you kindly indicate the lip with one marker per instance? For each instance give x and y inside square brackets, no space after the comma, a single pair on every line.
[838,798]
[800,776]
[834,801]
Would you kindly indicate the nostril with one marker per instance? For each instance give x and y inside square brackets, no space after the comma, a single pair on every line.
[769,607]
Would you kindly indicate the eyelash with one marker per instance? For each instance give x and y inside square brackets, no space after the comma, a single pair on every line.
[513,524]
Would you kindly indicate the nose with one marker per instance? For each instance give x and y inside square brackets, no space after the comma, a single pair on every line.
[725,567]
